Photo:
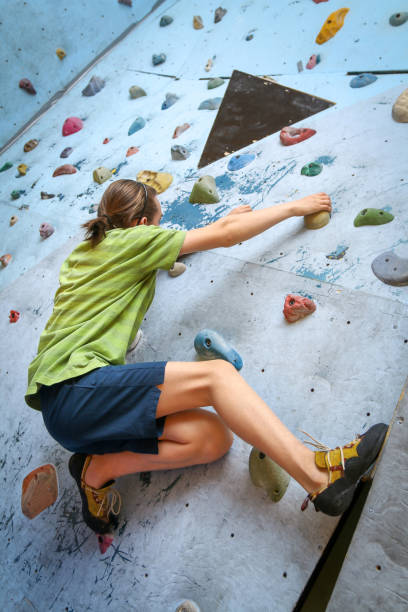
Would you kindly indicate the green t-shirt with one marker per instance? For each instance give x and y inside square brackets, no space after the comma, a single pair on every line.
[103,296]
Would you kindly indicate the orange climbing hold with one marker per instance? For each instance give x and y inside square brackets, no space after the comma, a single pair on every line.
[332,25]
[65,169]
[292,135]
[132,151]
[180,129]
[5,260]
[14,316]
[297,307]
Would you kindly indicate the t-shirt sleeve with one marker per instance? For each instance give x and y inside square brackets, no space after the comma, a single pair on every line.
[162,247]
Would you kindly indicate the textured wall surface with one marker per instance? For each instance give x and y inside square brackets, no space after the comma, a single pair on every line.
[205,532]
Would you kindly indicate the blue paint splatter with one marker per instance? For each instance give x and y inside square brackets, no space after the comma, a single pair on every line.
[224,181]
[119,166]
[267,181]
[325,159]
[189,216]
[338,253]
[79,164]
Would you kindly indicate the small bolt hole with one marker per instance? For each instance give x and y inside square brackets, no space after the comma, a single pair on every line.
[262,455]
[378,567]
[312,390]
[284,575]
[208,342]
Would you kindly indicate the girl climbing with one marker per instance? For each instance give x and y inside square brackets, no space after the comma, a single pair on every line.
[120,418]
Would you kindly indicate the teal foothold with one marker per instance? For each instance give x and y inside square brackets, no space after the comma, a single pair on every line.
[213,83]
[6,166]
[209,344]
[138,124]
[210,104]
[16,194]
[312,169]
[398,19]
[372,216]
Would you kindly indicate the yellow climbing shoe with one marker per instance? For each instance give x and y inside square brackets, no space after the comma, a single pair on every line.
[346,465]
[100,507]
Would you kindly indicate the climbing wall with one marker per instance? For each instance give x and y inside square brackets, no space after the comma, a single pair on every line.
[206,533]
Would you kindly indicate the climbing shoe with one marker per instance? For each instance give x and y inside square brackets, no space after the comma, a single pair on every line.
[100,507]
[346,465]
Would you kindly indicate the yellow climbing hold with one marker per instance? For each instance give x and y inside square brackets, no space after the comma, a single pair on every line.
[61,53]
[332,25]
[22,168]
[101,174]
[317,220]
[400,108]
[160,181]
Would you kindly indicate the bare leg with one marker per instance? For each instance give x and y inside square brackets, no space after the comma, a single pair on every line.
[217,383]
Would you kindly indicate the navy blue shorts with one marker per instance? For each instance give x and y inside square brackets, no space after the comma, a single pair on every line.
[109,410]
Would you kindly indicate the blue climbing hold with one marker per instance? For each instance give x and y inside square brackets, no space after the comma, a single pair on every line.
[138,124]
[165,21]
[240,161]
[211,345]
[169,101]
[210,104]
[361,80]
[158,59]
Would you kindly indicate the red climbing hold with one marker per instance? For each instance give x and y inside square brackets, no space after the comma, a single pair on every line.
[318,1]
[27,85]
[14,316]
[105,141]
[104,541]
[296,307]
[131,151]
[64,169]
[291,135]
[72,125]
[5,260]
[180,129]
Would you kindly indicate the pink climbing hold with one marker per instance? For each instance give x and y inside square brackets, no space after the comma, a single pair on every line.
[291,135]
[5,260]
[64,169]
[318,1]
[180,129]
[27,85]
[46,230]
[131,151]
[104,541]
[72,125]
[296,307]
[313,61]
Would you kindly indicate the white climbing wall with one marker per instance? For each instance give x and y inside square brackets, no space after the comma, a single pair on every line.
[206,533]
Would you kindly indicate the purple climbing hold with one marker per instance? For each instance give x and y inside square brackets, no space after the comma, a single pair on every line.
[94,86]
[66,152]
[219,14]
[27,85]
[46,230]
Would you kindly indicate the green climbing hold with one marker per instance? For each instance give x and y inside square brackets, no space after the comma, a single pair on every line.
[204,191]
[267,474]
[16,193]
[213,83]
[372,216]
[6,166]
[312,169]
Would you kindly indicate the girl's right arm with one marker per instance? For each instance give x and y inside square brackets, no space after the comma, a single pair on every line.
[243,223]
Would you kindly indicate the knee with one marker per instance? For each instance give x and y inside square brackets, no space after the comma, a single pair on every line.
[216,439]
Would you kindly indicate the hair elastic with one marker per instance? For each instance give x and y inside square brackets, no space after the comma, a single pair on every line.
[108,218]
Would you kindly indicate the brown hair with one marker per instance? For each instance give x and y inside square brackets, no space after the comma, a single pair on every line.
[123,201]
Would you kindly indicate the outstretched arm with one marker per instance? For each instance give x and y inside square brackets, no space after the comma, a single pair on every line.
[243,223]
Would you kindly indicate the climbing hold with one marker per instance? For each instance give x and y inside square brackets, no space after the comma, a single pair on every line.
[5,260]
[61,53]
[27,85]
[249,37]
[219,14]
[72,125]
[39,490]
[210,104]
[9,165]
[136,92]
[317,220]
[267,474]
[101,174]
[131,151]
[66,152]
[30,145]
[94,86]
[46,230]
[292,135]
[14,316]
[160,181]
[138,124]
[332,25]
[179,152]
[391,269]
[65,169]
[22,169]
[16,193]
[105,141]
[177,268]
[398,19]
[209,344]
[165,21]
[158,59]
[313,61]
[197,22]
[47,196]
[240,161]
[180,129]
[13,220]
[372,216]
[204,191]
[361,80]
[311,169]
[297,307]
[300,66]
[400,108]
[104,541]
[208,65]
[213,83]
[187,606]
[169,101]
[318,1]
[125,2]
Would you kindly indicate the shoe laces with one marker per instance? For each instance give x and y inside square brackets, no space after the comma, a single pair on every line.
[112,501]
[323,447]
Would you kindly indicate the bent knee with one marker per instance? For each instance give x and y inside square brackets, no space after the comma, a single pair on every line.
[215,438]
